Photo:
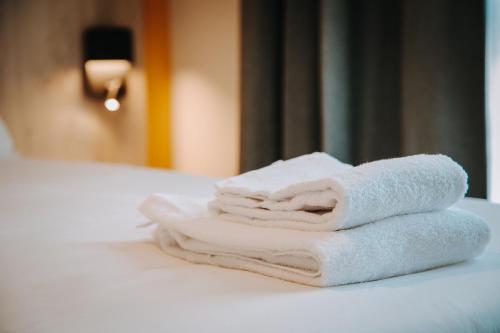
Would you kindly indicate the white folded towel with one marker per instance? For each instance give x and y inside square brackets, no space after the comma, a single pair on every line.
[390,247]
[318,193]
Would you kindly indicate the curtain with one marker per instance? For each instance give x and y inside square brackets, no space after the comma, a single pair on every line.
[364,80]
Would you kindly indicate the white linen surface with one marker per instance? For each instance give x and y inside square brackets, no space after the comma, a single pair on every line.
[393,246]
[72,260]
[290,194]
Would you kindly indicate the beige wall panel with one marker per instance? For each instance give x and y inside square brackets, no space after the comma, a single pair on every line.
[205,86]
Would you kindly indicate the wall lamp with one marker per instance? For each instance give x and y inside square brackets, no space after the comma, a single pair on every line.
[107,60]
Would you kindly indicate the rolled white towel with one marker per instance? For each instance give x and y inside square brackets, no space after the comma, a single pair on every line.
[389,247]
[316,192]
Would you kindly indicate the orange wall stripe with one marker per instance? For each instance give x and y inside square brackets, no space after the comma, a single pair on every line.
[157,65]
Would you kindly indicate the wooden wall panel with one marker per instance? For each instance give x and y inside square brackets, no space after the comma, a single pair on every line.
[41,91]
[157,64]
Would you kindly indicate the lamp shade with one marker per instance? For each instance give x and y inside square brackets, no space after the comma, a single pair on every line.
[108,42]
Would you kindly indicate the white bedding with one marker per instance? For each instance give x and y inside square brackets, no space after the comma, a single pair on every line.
[71,260]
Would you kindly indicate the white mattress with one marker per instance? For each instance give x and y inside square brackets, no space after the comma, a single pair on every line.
[71,260]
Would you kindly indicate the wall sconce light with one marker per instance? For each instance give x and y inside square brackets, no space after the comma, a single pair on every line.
[107,61]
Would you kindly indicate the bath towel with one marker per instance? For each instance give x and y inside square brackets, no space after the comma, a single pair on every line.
[318,193]
[390,247]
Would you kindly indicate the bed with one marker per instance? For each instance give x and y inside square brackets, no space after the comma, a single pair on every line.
[73,260]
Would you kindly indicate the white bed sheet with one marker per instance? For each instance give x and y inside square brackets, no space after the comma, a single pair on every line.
[71,260]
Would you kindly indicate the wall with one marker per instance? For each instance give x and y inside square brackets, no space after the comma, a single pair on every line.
[493,97]
[41,94]
[205,86]
[44,105]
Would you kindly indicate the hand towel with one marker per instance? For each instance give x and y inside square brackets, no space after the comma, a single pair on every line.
[390,247]
[318,193]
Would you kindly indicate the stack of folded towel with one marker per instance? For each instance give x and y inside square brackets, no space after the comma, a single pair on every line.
[317,221]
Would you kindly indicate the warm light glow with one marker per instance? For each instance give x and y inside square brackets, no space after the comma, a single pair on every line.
[100,72]
[114,66]
[112,104]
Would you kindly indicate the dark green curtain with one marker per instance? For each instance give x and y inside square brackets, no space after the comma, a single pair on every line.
[364,80]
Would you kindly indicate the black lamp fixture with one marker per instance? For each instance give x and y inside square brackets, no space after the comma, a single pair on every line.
[108,58]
